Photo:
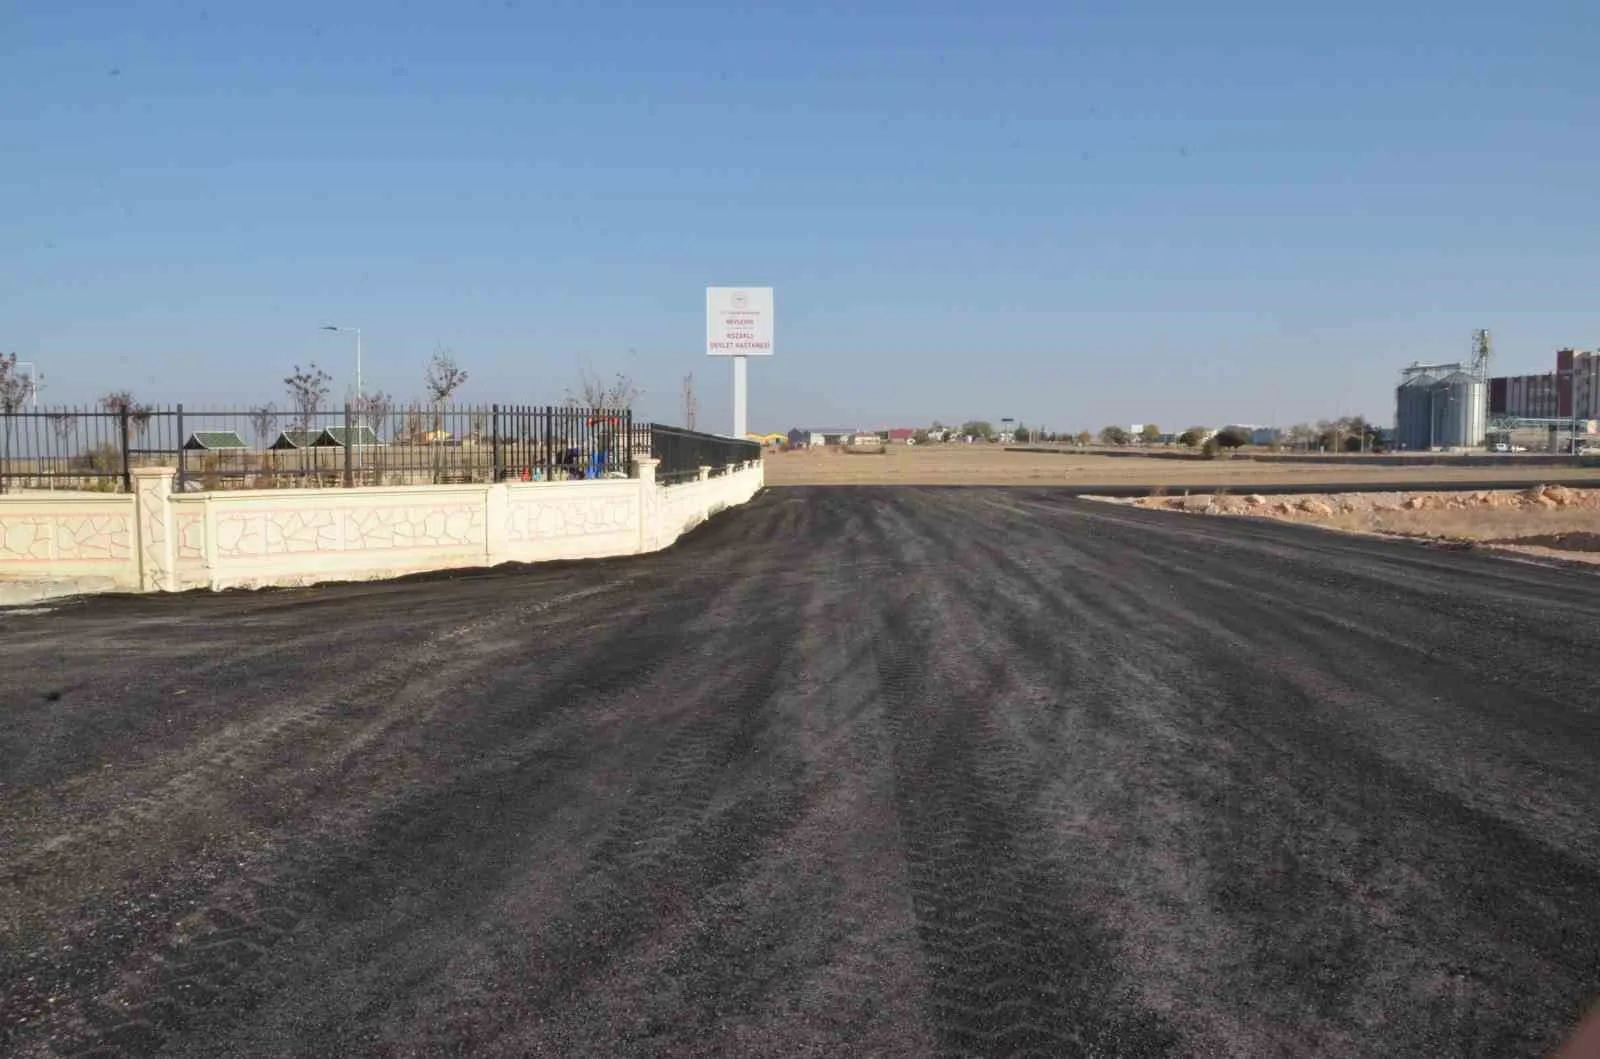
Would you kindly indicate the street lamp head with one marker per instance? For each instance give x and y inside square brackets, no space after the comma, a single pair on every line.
[330,327]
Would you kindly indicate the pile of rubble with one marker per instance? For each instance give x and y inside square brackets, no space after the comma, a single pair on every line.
[1323,505]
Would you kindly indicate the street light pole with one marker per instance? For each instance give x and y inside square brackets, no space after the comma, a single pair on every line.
[357,330]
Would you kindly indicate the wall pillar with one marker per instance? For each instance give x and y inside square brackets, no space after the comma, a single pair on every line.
[705,472]
[496,516]
[644,471]
[152,491]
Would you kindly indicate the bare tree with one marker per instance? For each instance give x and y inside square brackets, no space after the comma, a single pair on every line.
[372,410]
[307,389]
[63,423]
[120,401]
[596,391]
[264,421]
[444,376]
[14,391]
[416,428]
[15,388]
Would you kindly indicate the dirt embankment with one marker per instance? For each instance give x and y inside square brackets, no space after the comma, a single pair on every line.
[1542,519]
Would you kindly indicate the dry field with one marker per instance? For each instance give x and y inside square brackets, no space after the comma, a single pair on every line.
[994,465]
[1550,521]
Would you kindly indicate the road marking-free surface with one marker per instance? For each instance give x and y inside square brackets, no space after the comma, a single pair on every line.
[846,772]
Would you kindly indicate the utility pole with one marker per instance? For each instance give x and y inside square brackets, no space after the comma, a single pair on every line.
[359,394]
[688,401]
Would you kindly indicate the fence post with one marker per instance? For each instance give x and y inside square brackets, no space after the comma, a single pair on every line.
[496,471]
[627,443]
[349,449]
[183,454]
[549,457]
[127,460]
[6,426]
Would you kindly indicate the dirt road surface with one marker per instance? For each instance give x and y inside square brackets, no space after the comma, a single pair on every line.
[996,465]
[848,772]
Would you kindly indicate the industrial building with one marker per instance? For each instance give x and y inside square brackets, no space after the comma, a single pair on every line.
[1459,406]
[1444,406]
[1571,391]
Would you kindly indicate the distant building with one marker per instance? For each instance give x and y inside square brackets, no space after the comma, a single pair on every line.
[902,434]
[1572,390]
[1256,434]
[820,437]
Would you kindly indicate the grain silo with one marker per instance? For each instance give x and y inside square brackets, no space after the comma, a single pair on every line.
[1413,417]
[1460,411]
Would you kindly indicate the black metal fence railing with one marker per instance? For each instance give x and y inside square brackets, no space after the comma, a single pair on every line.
[95,449]
[683,452]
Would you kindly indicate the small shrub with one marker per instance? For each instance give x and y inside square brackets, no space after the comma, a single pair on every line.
[103,458]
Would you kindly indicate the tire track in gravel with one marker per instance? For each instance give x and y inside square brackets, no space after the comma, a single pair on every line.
[389,690]
[815,943]
[1018,966]
[496,806]
[81,955]
[188,979]
[1348,950]
[1408,836]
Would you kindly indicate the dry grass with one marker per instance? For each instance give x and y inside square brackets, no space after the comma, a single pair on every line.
[993,465]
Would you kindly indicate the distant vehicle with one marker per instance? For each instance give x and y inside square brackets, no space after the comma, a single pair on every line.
[1501,446]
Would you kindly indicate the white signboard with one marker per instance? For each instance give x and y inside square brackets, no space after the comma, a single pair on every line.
[739,321]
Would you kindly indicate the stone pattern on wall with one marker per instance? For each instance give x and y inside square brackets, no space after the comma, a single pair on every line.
[553,516]
[39,538]
[242,534]
[190,530]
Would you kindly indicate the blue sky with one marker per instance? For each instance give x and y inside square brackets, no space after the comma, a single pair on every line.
[1073,214]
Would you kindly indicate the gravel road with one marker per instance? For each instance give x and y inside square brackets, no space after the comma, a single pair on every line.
[867,772]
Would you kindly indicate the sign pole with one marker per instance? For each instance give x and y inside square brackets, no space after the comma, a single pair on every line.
[739,325]
[740,379]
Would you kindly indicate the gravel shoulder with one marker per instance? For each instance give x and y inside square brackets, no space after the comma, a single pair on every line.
[857,771]
[1540,521]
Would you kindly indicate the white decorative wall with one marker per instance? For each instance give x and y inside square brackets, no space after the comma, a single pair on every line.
[66,536]
[157,540]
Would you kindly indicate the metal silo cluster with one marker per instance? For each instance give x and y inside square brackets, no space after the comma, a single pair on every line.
[1441,412]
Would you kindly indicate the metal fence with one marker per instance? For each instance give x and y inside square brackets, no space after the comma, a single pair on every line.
[262,448]
[683,452]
